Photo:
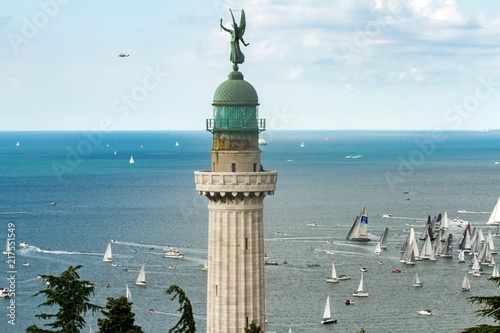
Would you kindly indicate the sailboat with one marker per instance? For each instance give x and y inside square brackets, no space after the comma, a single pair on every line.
[495,272]
[444,222]
[205,266]
[495,215]
[361,292]
[333,277]
[177,143]
[383,238]
[302,144]
[141,278]
[465,284]
[359,229]
[131,160]
[327,314]
[128,294]
[417,282]
[378,249]
[107,255]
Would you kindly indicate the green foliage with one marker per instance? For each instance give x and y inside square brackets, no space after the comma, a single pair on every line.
[491,308]
[186,323]
[253,328]
[73,298]
[119,317]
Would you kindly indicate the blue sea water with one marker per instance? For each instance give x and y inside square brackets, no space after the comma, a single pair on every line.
[152,204]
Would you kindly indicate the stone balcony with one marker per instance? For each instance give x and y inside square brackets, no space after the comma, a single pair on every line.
[208,182]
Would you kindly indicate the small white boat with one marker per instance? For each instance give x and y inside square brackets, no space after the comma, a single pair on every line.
[141,278]
[262,142]
[26,264]
[177,143]
[344,277]
[333,278]
[361,291]
[39,249]
[205,266]
[302,144]
[131,161]
[17,144]
[387,216]
[173,254]
[327,314]
[4,292]
[359,229]
[465,284]
[417,282]
[426,312]
[128,294]
[107,255]
[23,244]
[312,224]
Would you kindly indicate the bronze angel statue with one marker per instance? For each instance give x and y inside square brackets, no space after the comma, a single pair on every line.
[237,57]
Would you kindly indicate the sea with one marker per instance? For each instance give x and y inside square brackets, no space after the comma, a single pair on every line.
[69,194]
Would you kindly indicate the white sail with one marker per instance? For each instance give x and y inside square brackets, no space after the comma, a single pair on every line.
[378,248]
[461,256]
[128,294]
[333,277]
[495,272]
[327,314]
[141,278]
[465,284]
[491,244]
[426,248]
[495,215]
[417,282]
[444,222]
[107,255]
[131,161]
[361,291]
[359,229]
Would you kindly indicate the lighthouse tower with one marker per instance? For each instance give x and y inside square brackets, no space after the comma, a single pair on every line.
[236,187]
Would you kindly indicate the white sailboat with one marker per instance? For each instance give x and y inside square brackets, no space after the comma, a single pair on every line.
[177,143]
[205,266]
[141,278]
[128,294]
[107,255]
[417,282]
[359,229]
[361,291]
[444,222]
[333,277]
[131,161]
[426,252]
[465,284]
[327,314]
[495,272]
[461,256]
[495,215]
[378,249]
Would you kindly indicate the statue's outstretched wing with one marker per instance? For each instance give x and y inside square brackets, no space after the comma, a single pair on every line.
[243,22]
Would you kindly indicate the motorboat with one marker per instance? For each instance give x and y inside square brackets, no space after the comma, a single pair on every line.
[426,312]
[4,292]
[396,271]
[387,216]
[312,224]
[363,269]
[344,277]
[173,254]
[349,302]
[26,264]
[23,244]
[270,262]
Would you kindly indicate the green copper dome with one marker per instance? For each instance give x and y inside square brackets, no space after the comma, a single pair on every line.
[235,91]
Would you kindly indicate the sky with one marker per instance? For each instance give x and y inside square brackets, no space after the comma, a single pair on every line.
[316,65]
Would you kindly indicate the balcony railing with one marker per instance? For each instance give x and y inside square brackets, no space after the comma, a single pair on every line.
[264,181]
[236,125]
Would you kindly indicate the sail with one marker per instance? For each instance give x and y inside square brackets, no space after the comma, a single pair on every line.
[444,222]
[359,229]
[141,279]
[465,283]
[107,254]
[495,215]
[495,272]
[426,248]
[327,312]
[361,284]
[128,294]
[334,271]
[489,240]
[131,160]
[383,238]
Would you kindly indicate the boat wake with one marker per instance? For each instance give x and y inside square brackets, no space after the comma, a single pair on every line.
[463,211]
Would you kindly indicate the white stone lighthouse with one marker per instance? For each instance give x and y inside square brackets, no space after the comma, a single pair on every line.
[236,187]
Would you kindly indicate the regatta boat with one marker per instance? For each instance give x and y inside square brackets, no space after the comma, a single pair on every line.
[173,254]
[333,277]
[495,215]
[359,229]
[4,292]
[141,278]
[417,282]
[465,284]
[128,294]
[327,315]
[378,249]
[107,255]
[361,291]
[131,161]
[383,238]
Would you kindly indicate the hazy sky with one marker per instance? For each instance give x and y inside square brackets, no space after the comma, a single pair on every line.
[343,64]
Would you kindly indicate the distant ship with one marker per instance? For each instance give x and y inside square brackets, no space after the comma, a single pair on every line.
[131,160]
[262,142]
